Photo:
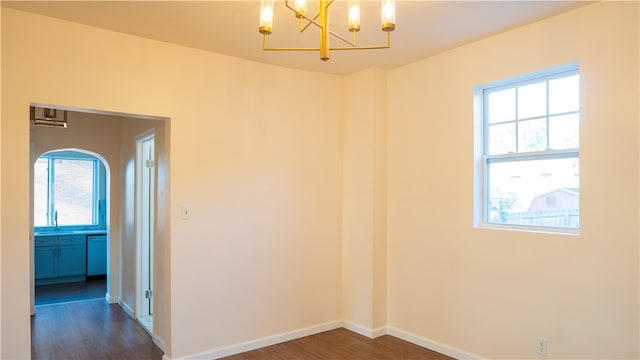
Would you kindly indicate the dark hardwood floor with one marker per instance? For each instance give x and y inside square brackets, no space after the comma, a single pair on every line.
[341,344]
[83,290]
[93,329]
[90,329]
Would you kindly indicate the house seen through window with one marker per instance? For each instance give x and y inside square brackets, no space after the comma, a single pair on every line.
[68,191]
[530,151]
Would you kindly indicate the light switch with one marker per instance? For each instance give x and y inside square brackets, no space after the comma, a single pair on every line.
[186,213]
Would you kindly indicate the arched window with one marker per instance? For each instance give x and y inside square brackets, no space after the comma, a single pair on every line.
[69,191]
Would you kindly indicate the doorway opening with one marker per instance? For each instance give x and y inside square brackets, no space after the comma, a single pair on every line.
[69,226]
[113,138]
[145,224]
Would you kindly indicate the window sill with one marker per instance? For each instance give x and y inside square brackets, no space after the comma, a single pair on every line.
[530,229]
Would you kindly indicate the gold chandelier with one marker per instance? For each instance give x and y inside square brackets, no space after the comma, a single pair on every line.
[321,20]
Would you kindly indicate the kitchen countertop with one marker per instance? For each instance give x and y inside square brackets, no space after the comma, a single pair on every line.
[74,232]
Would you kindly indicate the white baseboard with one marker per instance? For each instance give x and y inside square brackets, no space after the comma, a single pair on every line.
[432,345]
[127,309]
[266,341]
[111,299]
[296,334]
[363,330]
[159,342]
[379,332]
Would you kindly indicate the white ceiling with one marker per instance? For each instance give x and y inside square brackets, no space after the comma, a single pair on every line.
[423,28]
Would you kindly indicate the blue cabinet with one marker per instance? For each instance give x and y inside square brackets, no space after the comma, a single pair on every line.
[60,258]
[72,257]
[46,262]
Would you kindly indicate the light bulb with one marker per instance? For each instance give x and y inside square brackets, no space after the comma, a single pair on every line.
[301,7]
[266,17]
[388,15]
[354,15]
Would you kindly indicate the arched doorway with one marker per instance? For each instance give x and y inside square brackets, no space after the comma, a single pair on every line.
[70,226]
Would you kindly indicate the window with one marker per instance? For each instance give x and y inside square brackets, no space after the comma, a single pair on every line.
[528,168]
[66,191]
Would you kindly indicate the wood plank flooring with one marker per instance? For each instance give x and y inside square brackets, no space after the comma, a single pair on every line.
[90,329]
[341,344]
[93,329]
[57,293]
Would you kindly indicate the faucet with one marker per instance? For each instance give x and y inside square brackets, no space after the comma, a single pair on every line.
[55,218]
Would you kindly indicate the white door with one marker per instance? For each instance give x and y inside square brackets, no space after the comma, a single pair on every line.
[145,223]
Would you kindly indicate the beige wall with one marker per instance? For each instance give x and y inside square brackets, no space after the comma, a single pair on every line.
[128,253]
[162,259]
[364,249]
[14,247]
[1,308]
[493,292]
[256,159]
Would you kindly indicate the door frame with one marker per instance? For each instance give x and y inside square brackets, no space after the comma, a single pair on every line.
[142,262]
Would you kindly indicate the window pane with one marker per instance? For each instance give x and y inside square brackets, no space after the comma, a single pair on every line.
[532,100]
[73,189]
[564,132]
[502,138]
[502,106]
[564,95]
[40,191]
[535,192]
[532,135]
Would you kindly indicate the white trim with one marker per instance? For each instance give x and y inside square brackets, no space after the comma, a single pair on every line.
[357,328]
[142,324]
[141,308]
[363,330]
[531,229]
[263,342]
[432,345]
[111,299]
[380,332]
[479,193]
[159,342]
[126,309]
[312,330]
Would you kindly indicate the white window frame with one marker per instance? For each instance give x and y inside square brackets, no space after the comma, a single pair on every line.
[482,159]
[97,219]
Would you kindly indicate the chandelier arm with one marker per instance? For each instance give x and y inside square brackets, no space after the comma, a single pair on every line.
[301,16]
[296,49]
[310,21]
[370,47]
[343,39]
[354,44]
